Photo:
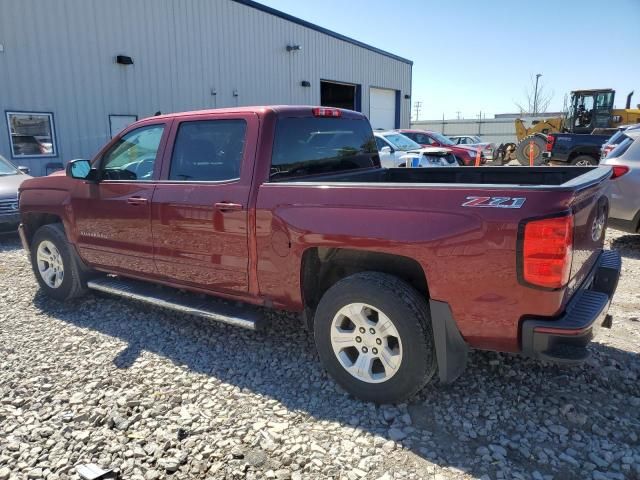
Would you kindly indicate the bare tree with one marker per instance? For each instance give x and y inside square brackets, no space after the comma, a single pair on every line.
[532,105]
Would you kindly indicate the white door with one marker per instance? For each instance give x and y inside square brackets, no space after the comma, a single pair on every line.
[382,108]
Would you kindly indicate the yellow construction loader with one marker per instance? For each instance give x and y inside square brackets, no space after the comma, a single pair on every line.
[589,111]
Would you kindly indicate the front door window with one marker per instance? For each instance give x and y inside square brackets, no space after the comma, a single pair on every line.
[133,157]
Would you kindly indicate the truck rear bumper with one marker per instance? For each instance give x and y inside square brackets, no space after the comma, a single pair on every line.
[564,339]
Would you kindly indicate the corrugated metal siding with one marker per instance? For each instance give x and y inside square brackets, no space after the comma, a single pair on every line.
[62,60]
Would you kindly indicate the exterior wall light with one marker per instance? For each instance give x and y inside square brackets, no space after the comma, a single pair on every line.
[293,48]
[124,60]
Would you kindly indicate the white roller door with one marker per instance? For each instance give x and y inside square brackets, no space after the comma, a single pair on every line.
[382,108]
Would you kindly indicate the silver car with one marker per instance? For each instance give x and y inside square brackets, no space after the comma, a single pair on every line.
[10,179]
[488,149]
[624,193]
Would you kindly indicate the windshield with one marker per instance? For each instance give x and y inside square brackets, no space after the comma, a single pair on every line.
[441,138]
[6,168]
[401,142]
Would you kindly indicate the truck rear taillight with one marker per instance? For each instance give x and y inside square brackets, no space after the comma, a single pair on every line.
[550,141]
[619,170]
[547,251]
[326,112]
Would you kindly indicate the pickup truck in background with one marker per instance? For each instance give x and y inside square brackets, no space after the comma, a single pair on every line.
[397,272]
[574,148]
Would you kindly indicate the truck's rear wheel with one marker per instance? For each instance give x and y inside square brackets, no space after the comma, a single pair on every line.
[373,334]
[584,161]
[54,266]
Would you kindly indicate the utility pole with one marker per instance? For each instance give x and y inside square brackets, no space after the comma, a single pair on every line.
[417,105]
[458,114]
[535,96]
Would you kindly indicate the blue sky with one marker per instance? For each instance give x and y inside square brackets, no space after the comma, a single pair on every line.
[471,56]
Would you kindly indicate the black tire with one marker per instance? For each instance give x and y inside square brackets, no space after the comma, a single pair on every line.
[74,279]
[539,146]
[584,161]
[409,313]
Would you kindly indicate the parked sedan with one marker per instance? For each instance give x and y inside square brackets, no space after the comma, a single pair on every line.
[624,192]
[488,148]
[396,150]
[10,179]
[466,155]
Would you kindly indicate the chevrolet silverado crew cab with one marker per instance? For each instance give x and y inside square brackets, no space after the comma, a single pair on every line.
[397,272]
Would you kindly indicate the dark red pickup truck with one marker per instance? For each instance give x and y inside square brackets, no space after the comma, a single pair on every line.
[397,272]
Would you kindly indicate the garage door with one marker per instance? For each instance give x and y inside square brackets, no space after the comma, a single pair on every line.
[382,108]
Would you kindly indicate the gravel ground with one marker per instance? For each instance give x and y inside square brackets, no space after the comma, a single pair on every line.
[156,395]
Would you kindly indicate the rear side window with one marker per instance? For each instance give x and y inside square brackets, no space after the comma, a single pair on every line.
[421,138]
[310,145]
[617,138]
[622,147]
[208,150]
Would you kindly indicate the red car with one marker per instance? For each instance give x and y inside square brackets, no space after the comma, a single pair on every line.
[466,155]
[397,272]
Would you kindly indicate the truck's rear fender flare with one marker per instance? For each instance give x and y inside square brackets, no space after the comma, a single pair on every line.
[591,152]
[322,267]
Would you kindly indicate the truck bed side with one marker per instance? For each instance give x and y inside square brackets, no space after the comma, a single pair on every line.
[468,255]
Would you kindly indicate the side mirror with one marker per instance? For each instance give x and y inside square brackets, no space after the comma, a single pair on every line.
[80,169]
[386,149]
[24,170]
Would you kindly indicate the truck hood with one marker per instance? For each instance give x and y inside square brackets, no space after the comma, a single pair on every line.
[9,185]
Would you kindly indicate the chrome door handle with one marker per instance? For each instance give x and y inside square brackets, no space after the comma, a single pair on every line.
[137,201]
[228,207]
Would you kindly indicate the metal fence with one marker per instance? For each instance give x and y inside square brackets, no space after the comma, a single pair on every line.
[496,130]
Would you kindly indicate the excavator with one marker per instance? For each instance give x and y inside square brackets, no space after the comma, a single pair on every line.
[589,111]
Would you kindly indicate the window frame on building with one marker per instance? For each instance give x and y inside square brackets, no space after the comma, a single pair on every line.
[52,128]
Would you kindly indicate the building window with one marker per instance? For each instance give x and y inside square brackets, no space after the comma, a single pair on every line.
[31,134]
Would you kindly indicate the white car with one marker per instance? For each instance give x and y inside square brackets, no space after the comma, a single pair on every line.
[397,150]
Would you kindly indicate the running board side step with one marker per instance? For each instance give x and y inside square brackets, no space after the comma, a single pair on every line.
[232,313]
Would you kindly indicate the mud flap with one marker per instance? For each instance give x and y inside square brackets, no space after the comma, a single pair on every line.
[451,349]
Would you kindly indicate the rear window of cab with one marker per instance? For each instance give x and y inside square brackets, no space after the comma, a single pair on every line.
[312,145]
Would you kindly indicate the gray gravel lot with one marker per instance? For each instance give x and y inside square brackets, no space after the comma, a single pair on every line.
[160,395]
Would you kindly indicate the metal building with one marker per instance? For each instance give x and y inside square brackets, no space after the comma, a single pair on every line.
[80,70]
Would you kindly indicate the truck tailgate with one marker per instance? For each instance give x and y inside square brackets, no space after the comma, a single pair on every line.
[590,210]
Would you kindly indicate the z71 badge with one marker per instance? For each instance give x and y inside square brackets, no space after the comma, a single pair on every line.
[494,202]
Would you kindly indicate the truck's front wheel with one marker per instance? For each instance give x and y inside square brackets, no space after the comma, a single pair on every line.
[373,334]
[54,266]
